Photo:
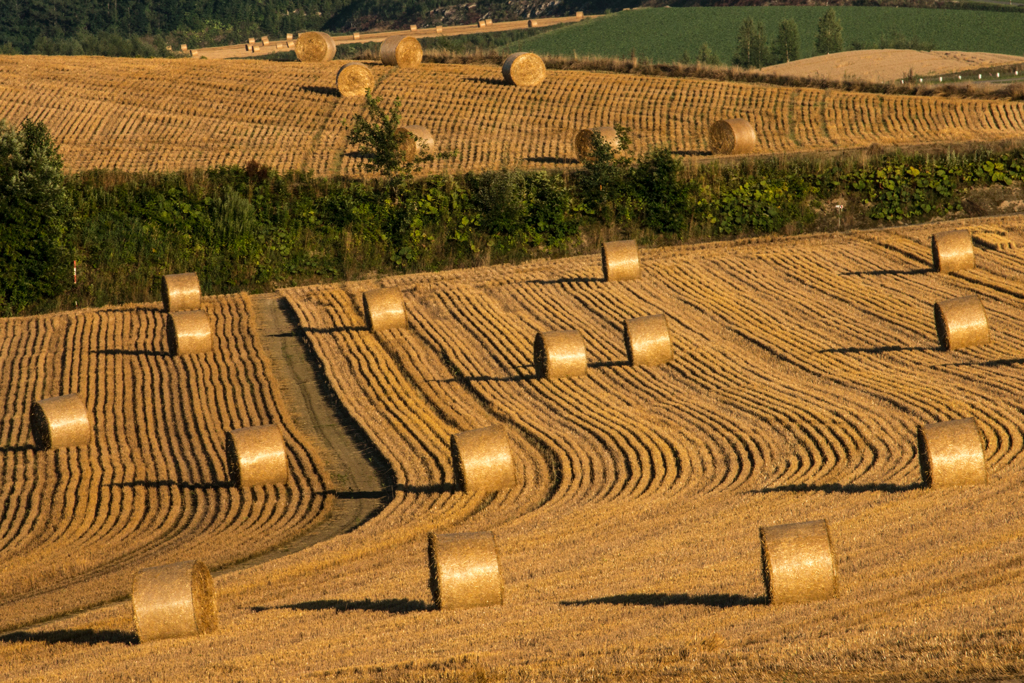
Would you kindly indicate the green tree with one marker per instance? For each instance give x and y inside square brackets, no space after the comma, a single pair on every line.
[706,55]
[830,34]
[751,45]
[35,213]
[384,147]
[786,46]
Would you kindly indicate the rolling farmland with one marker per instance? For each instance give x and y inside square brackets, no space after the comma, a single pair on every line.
[802,368]
[172,115]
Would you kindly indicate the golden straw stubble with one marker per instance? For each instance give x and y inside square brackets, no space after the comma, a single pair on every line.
[415,139]
[174,601]
[315,46]
[354,79]
[384,309]
[620,260]
[483,459]
[523,69]
[647,340]
[189,332]
[60,422]
[402,51]
[180,292]
[464,570]
[733,136]
[797,562]
[952,250]
[951,454]
[586,147]
[558,354]
[257,456]
[961,323]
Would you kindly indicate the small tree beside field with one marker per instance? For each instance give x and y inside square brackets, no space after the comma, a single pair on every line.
[786,46]
[830,34]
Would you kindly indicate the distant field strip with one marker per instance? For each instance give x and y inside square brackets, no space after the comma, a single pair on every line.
[76,523]
[169,115]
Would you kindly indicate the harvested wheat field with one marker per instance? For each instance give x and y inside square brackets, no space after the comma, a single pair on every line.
[879,66]
[172,115]
[629,548]
[152,484]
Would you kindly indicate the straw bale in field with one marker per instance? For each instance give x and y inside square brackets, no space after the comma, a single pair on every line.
[184,47]
[733,136]
[647,340]
[532,23]
[181,292]
[579,14]
[464,570]
[355,36]
[438,29]
[314,46]
[961,323]
[415,139]
[403,51]
[174,601]
[413,27]
[952,250]
[291,43]
[797,562]
[557,354]
[951,454]
[523,69]
[384,309]
[257,457]
[354,79]
[252,40]
[584,141]
[481,23]
[265,40]
[288,36]
[60,422]
[483,459]
[189,332]
[620,260]
[489,22]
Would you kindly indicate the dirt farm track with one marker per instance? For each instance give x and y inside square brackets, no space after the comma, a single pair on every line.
[629,547]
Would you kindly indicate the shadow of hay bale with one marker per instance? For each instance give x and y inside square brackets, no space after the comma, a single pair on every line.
[721,600]
[396,606]
[82,636]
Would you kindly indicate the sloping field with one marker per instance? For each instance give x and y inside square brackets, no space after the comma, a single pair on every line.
[890,65]
[802,369]
[170,115]
[76,523]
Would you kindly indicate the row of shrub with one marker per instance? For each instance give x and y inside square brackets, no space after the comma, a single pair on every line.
[255,229]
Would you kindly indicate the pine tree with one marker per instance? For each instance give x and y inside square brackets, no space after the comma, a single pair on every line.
[787,42]
[830,34]
[751,45]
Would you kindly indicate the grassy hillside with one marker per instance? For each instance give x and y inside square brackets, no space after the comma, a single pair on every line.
[673,34]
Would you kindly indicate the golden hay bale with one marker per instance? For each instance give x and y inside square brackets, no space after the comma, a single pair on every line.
[533,23]
[733,136]
[961,323]
[60,422]
[415,139]
[797,562]
[181,292]
[384,309]
[951,454]
[559,354]
[483,459]
[647,340]
[288,36]
[523,69]
[620,260]
[355,36]
[403,51]
[189,332]
[314,46]
[174,601]
[585,147]
[412,27]
[952,250]
[489,22]
[257,457]
[184,47]
[464,570]
[579,14]
[252,41]
[265,40]
[438,29]
[481,23]
[354,79]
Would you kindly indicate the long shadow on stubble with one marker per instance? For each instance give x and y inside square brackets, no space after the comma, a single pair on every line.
[881,349]
[397,606]
[82,636]
[840,488]
[722,600]
[914,271]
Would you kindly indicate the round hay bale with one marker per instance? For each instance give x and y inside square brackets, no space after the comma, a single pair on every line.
[584,142]
[797,562]
[483,459]
[415,139]
[952,250]
[413,27]
[489,22]
[481,23]
[181,292]
[559,354]
[354,79]
[620,260]
[314,46]
[174,601]
[189,332]
[257,457]
[403,51]
[355,36]
[647,340]
[438,29]
[60,422]
[961,323]
[464,570]
[733,136]
[523,69]
[951,454]
[533,23]
[579,14]
[384,309]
